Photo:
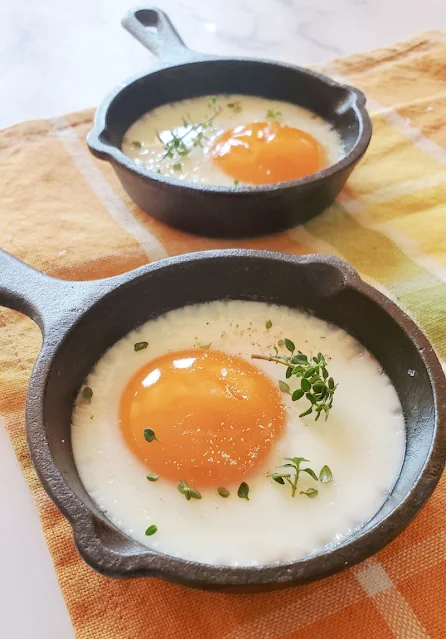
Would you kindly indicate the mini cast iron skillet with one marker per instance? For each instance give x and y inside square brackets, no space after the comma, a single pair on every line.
[182,73]
[81,320]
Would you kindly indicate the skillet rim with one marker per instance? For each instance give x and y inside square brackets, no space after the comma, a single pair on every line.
[110,152]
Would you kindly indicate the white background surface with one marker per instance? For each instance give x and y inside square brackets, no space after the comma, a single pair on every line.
[57,56]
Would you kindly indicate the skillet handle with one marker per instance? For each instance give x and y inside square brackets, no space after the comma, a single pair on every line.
[155,31]
[46,300]
[23,289]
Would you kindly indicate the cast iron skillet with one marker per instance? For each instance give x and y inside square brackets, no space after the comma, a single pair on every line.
[182,73]
[81,320]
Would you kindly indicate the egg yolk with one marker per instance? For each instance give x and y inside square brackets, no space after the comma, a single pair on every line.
[215,417]
[267,152]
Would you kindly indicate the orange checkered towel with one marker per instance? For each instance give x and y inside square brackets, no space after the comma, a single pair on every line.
[66,214]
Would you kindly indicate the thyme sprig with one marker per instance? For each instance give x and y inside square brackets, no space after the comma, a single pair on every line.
[181,144]
[292,476]
[315,382]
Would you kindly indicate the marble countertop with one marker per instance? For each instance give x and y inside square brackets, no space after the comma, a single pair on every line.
[58,56]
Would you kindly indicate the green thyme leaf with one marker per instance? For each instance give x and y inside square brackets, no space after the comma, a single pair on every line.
[136,144]
[140,346]
[178,166]
[268,324]
[325,475]
[281,342]
[297,394]
[310,492]
[271,114]
[298,370]
[151,530]
[182,487]
[289,372]
[212,99]
[152,477]
[289,345]
[307,412]
[87,393]
[243,491]
[236,182]
[149,435]
[278,478]
[305,385]
[318,385]
[310,472]
[284,386]
[296,460]
[187,491]
[223,492]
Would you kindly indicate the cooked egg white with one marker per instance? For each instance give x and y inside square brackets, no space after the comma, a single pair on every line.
[362,442]
[250,140]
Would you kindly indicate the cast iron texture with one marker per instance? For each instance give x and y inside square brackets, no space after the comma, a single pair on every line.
[182,73]
[81,320]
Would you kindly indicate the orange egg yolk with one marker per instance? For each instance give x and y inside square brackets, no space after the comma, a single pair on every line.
[267,152]
[215,417]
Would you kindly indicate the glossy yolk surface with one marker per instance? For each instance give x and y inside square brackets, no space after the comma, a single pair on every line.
[215,416]
[267,152]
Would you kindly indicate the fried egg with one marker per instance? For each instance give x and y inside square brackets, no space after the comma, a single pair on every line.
[232,139]
[210,408]
[180,402]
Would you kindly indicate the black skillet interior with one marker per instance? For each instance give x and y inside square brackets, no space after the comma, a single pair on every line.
[246,77]
[324,286]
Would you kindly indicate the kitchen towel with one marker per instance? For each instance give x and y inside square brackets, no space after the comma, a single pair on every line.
[66,214]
